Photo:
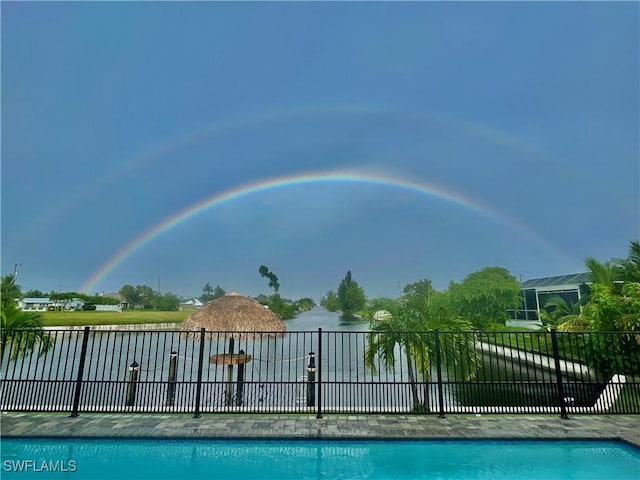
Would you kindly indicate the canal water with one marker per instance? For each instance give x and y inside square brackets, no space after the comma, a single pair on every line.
[328,321]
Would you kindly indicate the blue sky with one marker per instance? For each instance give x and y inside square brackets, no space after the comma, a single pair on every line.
[520,122]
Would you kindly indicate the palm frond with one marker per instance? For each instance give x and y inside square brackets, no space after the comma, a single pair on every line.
[22,332]
[631,265]
[606,274]
[574,323]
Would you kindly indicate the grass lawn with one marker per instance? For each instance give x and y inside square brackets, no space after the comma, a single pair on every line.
[569,346]
[65,319]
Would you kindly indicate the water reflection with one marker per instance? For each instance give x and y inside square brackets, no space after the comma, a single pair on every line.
[328,321]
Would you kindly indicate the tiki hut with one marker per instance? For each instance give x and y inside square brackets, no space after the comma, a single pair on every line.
[233,317]
[231,314]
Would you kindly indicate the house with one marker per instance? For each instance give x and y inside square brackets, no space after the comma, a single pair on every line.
[43,304]
[35,304]
[191,304]
[535,293]
[73,304]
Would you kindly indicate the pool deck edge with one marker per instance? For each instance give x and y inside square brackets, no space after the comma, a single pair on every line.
[279,426]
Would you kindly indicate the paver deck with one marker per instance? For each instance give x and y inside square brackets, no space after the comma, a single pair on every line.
[56,425]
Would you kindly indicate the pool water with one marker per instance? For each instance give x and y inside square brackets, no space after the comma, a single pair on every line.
[308,459]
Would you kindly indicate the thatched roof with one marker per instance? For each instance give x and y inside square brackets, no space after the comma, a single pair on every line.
[234,313]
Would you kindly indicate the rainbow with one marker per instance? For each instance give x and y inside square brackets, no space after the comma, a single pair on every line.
[256,119]
[219,129]
[360,177]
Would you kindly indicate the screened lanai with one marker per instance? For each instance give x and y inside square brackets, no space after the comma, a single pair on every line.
[535,293]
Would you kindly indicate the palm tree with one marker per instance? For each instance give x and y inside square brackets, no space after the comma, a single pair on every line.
[10,290]
[612,304]
[22,331]
[606,279]
[630,267]
[607,274]
[577,322]
[411,327]
[558,313]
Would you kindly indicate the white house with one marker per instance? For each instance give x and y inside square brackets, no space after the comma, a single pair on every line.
[44,304]
[35,304]
[73,304]
[191,304]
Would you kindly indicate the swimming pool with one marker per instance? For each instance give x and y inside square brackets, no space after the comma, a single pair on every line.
[309,459]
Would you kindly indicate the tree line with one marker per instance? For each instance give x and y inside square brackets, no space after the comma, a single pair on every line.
[145,297]
[609,300]
[483,297]
[610,303]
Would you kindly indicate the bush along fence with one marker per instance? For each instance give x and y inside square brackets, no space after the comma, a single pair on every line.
[317,372]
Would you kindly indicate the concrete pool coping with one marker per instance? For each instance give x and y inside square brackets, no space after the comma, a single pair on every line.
[280,426]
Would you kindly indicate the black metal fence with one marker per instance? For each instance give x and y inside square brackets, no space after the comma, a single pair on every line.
[320,372]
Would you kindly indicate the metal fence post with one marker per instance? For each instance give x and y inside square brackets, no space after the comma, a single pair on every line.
[319,411]
[83,356]
[196,413]
[228,389]
[556,359]
[171,387]
[132,386]
[240,386]
[436,334]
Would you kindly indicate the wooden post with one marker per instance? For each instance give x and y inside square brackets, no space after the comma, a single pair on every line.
[171,387]
[134,372]
[311,380]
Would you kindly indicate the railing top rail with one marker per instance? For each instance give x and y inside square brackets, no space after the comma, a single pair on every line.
[93,328]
